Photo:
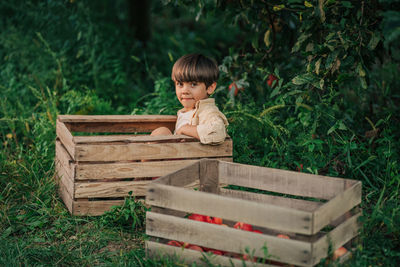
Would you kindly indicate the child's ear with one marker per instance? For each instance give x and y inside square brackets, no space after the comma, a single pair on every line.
[211,88]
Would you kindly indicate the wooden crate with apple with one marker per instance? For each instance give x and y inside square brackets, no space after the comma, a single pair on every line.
[226,212]
[101,159]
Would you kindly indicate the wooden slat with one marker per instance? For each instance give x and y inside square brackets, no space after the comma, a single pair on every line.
[65,196]
[281,181]
[337,206]
[181,178]
[117,118]
[139,151]
[94,208]
[65,160]
[337,238]
[66,138]
[118,127]
[64,177]
[188,256]
[299,204]
[265,215]
[86,171]
[209,176]
[131,138]
[227,238]
[110,189]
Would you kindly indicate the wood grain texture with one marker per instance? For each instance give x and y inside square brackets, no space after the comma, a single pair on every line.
[118,127]
[110,189]
[94,208]
[188,256]
[139,151]
[181,178]
[89,171]
[227,238]
[282,181]
[66,138]
[117,118]
[64,178]
[337,206]
[261,214]
[299,204]
[63,158]
[131,138]
[209,176]
[65,196]
[337,238]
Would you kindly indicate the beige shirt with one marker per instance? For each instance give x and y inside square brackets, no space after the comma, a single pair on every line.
[211,123]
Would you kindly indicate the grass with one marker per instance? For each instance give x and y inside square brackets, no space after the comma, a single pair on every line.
[61,57]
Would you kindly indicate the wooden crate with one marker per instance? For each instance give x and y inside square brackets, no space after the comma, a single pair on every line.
[315,211]
[96,172]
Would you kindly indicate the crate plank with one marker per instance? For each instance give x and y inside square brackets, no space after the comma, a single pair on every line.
[156,250]
[265,215]
[184,177]
[337,237]
[139,151]
[108,189]
[64,178]
[117,118]
[281,181]
[90,171]
[65,159]
[95,208]
[118,127]
[131,138]
[66,138]
[65,196]
[300,204]
[340,204]
[227,238]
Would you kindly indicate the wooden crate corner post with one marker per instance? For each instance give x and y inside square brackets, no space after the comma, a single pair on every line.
[117,156]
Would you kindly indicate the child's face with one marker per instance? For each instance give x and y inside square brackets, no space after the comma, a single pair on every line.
[189,93]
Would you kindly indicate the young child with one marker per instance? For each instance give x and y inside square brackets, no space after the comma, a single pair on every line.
[195,77]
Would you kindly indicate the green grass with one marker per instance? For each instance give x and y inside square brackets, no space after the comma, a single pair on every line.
[71,57]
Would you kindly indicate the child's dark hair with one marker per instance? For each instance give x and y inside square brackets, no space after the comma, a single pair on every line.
[195,68]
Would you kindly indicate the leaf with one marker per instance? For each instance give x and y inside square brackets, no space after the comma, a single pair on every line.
[375,39]
[267,37]
[318,65]
[303,37]
[360,70]
[347,4]
[308,4]
[333,128]
[278,7]
[321,10]
[302,79]
[363,83]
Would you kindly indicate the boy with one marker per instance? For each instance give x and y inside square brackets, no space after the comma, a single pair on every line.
[195,77]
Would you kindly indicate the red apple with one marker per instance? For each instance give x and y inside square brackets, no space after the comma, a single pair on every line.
[175,243]
[243,226]
[339,253]
[271,79]
[283,236]
[236,87]
[194,247]
[199,217]
[216,220]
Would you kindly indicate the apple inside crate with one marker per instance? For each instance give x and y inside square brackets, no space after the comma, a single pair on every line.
[316,213]
[101,159]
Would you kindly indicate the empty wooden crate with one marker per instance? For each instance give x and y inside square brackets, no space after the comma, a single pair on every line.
[99,170]
[316,212]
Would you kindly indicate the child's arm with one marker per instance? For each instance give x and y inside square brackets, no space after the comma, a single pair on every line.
[190,130]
